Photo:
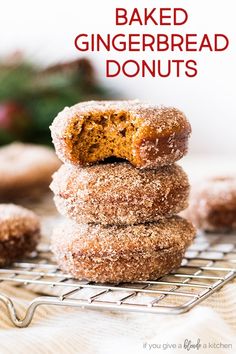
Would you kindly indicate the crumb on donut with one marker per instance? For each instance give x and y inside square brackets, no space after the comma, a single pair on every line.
[102,136]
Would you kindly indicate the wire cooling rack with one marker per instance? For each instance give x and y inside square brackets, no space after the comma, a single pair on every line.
[208,264]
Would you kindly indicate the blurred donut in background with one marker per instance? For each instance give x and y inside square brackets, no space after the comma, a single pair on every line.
[19,232]
[25,170]
[212,205]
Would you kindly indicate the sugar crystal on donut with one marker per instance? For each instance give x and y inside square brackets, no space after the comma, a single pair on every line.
[124,225]
[118,193]
[120,253]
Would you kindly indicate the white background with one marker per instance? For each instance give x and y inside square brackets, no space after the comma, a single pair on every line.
[45,30]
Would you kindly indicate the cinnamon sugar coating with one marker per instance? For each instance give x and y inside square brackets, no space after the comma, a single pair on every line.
[19,232]
[121,253]
[25,169]
[145,135]
[118,193]
[213,204]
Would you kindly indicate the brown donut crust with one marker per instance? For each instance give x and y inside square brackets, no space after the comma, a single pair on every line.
[19,232]
[118,193]
[213,204]
[18,247]
[156,136]
[121,253]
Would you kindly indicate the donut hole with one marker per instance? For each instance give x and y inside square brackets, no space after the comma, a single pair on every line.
[102,136]
[112,160]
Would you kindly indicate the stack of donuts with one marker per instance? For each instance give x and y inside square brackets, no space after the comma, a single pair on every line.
[120,189]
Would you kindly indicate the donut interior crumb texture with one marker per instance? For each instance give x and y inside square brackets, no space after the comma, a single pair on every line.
[144,135]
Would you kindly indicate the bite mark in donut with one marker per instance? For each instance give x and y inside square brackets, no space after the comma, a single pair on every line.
[143,134]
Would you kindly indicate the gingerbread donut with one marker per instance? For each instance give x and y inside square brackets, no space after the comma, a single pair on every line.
[19,232]
[121,253]
[25,170]
[118,193]
[213,204]
[145,135]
